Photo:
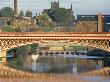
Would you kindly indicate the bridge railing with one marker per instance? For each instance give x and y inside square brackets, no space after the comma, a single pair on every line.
[24,34]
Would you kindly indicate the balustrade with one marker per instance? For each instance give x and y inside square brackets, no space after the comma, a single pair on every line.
[26,34]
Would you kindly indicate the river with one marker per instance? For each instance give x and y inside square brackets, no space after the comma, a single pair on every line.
[68,67]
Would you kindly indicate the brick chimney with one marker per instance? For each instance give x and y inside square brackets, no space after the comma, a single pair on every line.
[99,22]
[15,8]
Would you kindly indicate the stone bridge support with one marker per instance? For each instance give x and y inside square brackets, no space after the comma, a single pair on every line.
[3,55]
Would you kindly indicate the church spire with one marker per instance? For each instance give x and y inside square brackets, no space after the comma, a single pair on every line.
[55,4]
[58,3]
[71,7]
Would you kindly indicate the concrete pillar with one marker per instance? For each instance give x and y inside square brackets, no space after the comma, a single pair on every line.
[3,55]
[99,29]
[15,8]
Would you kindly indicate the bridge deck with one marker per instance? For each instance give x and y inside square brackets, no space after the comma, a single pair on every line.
[54,35]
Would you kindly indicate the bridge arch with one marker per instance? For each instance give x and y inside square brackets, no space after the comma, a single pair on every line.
[13,40]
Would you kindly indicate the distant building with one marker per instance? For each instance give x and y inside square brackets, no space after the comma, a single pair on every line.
[22,22]
[65,26]
[4,21]
[16,20]
[86,23]
[106,23]
[62,26]
[93,23]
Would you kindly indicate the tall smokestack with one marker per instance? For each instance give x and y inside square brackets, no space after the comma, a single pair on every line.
[15,8]
[99,22]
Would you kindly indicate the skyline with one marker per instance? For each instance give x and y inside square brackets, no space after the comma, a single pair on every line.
[79,6]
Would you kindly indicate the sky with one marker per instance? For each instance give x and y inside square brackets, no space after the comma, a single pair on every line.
[80,7]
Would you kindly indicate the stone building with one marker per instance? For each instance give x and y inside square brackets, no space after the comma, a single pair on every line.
[93,23]
[22,22]
[65,26]
[61,26]
[17,21]
[86,23]
[4,21]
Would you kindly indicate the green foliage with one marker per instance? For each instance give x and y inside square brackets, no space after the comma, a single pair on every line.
[11,29]
[47,29]
[21,13]
[34,47]
[61,15]
[17,29]
[8,29]
[28,13]
[45,21]
[6,12]
[24,49]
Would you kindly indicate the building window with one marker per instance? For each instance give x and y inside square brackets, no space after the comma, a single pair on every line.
[8,22]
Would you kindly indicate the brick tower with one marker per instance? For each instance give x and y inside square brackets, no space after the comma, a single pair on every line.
[99,22]
[15,8]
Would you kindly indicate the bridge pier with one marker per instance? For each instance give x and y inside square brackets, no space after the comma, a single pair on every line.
[3,55]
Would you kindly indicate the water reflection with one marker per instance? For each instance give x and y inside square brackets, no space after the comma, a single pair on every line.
[56,64]
[65,69]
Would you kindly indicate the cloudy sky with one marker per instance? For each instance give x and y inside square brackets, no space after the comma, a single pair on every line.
[79,6]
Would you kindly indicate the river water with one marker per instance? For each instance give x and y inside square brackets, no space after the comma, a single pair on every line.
[58,64]
[68,65]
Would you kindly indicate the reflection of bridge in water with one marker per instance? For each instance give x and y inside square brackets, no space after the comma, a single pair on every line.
[13,40]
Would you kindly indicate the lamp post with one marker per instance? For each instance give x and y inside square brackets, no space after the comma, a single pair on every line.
[34,59]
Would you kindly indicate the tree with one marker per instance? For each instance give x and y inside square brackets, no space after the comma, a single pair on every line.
[60,15]
[6,12]
[45,21]
[11,29]
[24,49]
[17,29]
[28,13]
[8,29]
[21,13]
[34,47]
